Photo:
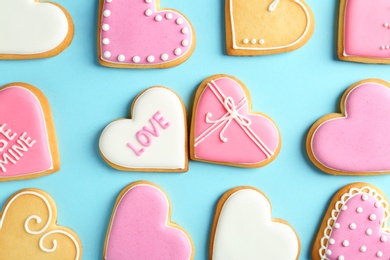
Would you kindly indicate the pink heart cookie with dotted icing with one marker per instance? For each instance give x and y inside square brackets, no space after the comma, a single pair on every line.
[225,131]
[364,31]
[355,225]
[28,145]
[137,34]
[140,227]
[357,141]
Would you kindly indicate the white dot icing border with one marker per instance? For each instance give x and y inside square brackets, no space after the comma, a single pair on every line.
[340,203]
[136,59]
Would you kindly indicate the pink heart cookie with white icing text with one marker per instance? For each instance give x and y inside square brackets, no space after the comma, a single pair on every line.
[140,227]
[138,34]
[364,31]
[357,141]
[28,145]
[225,131]
[355,226]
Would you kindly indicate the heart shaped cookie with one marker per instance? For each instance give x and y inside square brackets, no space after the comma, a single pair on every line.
[356,141]
[243,229]
[28,144]
[137,34]
[154,140]
[355,225]
[140,227]
[31,29]
[225,131]
[364,31]
[28,229]
[261,27]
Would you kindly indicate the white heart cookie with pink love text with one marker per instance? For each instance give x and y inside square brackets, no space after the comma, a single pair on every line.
[154,139]
[138,34]
[355,225]
[243,229]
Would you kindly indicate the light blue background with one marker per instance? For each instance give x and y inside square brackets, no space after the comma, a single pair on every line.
[295,89]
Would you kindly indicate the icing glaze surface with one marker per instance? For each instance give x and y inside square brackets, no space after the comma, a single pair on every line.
[360,141]
[24,146]
[142,34]
[140,229]
[159,146]
[245,230]
[225,131]
[359,228]
[31,27]
[365,30]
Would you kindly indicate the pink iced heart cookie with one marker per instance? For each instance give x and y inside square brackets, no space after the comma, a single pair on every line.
[357,141]
[137,34]
[140,227]
[225,131]
[355,226]
[28,145]
[364,31]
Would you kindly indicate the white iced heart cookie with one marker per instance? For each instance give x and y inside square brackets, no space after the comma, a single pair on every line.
[154,139]
[243,229]
[32,29]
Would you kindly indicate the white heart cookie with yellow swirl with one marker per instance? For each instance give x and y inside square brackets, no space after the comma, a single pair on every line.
[28,229]
[153,140]
[31,29]
[261,27]
[243,229]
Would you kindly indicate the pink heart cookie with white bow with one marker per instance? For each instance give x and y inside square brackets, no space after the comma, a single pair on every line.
[138,34]
[225,131]
[140,227]
[28,144]
[364,31]
[357,141]
[355,225]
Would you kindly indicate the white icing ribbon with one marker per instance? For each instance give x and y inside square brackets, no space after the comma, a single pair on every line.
[273,5]
[38,220]
[225,120]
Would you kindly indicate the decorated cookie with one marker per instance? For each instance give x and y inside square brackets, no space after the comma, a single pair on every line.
[28,229]
[354,226]
[140,227]
[355,141]
[261,27]
[243,229]
[154,139]
[28,144]
[31,29]
[364,31]
[225,131]
[138,34]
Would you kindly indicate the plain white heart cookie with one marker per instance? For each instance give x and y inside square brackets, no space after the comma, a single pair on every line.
[154,139]
[243,229]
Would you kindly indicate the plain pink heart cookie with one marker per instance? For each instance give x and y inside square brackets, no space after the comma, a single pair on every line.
[138,34]
[32,29]
[225,131]
[364,31]
[153,140]
[28,144]
[355,225]
[356,141]
[29,230]
[140,227]
[243,228]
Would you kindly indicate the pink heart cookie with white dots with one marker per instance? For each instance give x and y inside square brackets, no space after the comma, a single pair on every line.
[137,34]
[364,31]
[355,225]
